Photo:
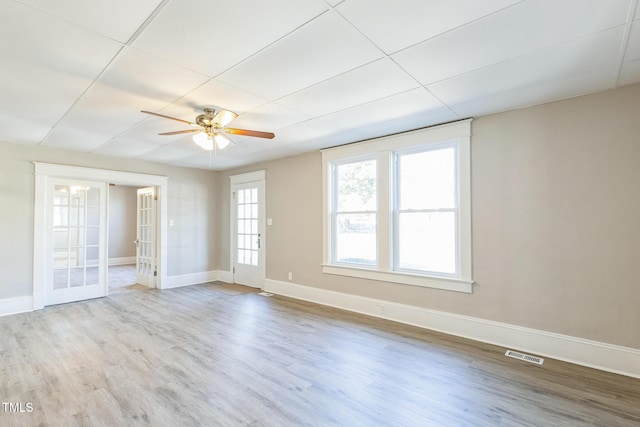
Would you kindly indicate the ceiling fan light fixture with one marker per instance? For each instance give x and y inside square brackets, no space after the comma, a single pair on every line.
[224,117]
[221,140]
[203,140]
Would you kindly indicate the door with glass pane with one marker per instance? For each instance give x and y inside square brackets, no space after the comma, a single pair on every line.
[77,241]
[249,234]
[146,237]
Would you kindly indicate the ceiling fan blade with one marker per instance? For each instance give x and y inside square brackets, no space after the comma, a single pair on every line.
[247,132]
[224,117]
[178,132]
[167,117]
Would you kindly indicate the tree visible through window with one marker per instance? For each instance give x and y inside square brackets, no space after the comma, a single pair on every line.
[355,214]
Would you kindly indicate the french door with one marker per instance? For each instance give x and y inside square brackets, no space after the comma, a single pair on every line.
[248,232]
[146,263]
[77,235]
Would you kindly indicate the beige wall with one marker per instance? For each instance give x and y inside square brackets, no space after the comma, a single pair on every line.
[192,204]
[556,221]
[122,221]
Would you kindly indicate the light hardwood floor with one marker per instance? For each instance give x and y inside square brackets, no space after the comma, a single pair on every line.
[221,355]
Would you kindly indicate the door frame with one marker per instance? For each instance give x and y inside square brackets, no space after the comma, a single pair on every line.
[245,178]
[44,172]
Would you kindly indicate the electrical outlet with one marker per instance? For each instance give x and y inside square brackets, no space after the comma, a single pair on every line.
[383,309]
[290,276]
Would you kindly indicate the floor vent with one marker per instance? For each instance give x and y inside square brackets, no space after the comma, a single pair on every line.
[265,294]
[533,359]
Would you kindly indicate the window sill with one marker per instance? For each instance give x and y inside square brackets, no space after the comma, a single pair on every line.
[434,282]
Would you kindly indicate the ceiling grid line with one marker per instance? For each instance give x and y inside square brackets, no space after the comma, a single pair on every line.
[633,5]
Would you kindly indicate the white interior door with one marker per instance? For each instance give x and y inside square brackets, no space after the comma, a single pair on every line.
[76,242]
[248,229]
[146,265]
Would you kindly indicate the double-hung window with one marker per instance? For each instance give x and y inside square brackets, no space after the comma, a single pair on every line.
[397,209]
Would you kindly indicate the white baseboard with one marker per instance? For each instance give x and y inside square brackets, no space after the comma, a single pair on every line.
[122,261]
[196,279]
[225,276]
[17,305]
[593,354]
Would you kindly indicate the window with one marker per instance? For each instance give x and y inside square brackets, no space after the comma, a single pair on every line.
[397,208]
[354,215]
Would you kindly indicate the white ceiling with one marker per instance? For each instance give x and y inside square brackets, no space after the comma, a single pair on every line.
[75,74]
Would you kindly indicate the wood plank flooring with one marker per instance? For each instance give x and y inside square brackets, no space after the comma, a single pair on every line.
[209,355]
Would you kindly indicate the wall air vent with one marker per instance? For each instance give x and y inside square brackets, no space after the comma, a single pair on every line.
[527,358]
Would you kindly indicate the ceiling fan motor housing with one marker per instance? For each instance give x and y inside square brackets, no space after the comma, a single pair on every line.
[206,119]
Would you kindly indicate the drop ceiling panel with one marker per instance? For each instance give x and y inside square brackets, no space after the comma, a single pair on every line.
[298,134]
[411,122]
[214,93]
[68,138]
[21,131]
[539,92]
[149,127]
[211,36]
[392,107]
[521,29]
[322,49]
[97,115]
[397,25]
[173,152]
[116,19]
[375,80]
[269,117]
[46,63]
[113,104]
[564,61]
[147,76]
[123,147]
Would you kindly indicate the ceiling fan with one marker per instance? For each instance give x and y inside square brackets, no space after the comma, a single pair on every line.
[211,127]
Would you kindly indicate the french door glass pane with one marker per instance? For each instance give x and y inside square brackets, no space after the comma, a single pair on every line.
[247,226]
[427,180]
[356,238]
[60,278]
[427,241]
[76,245]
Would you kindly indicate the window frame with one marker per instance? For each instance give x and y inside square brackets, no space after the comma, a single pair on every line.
[396,210]
[334,212]
[456,134]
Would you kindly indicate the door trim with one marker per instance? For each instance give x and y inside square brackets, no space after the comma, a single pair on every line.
[245,178]
[45,171]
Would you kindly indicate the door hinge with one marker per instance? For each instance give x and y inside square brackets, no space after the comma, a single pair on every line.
[234,270]
[155,197]
[234,194]
[155,273]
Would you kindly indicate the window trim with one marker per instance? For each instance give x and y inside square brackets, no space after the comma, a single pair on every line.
[385,148]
